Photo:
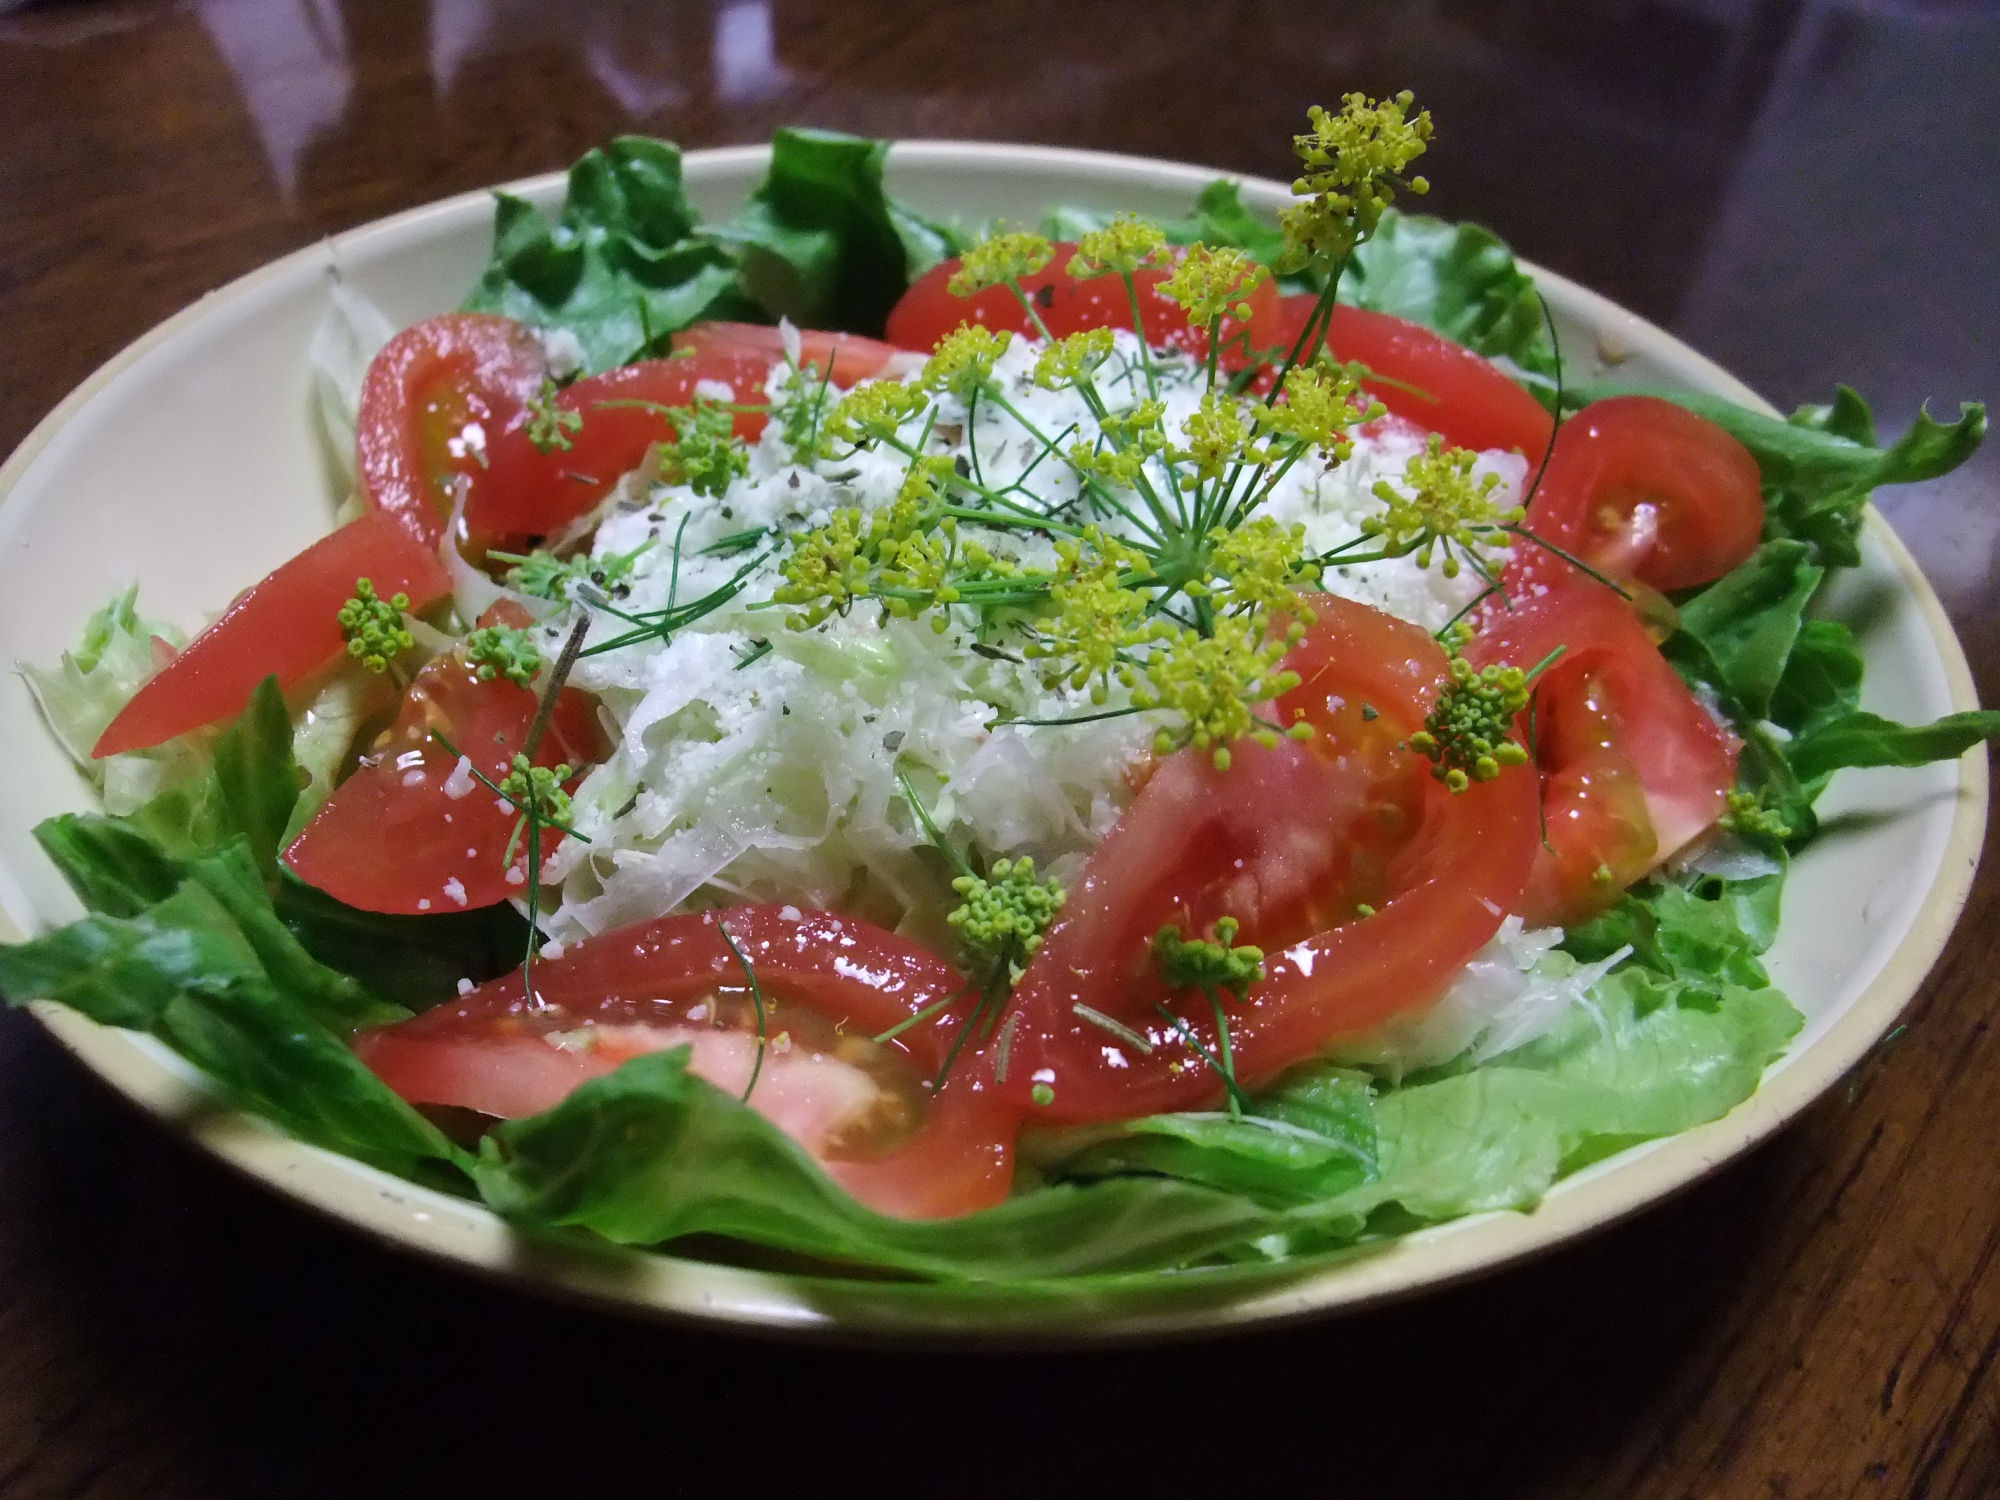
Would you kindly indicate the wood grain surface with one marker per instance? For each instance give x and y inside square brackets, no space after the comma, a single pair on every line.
[1806,192]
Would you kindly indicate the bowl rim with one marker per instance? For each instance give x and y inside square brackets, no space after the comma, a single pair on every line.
[468,1236]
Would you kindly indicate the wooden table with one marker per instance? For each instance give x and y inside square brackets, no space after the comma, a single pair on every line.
[1805,192]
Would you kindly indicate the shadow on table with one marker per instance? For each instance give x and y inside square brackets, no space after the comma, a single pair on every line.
[180,1319]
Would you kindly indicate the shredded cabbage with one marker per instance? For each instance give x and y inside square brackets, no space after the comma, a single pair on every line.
[756,762]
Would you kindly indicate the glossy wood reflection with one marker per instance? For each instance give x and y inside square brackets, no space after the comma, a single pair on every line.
[1806,191]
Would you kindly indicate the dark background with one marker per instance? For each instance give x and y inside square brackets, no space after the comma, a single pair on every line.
[1805,192]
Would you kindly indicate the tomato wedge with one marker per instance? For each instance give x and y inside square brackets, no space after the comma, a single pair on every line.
[928,311]
[432,404]
[524,492]
[1293,843]
[1457,393]
[846,359]
[406,832]
[1641,488]
[284,626]
[863,1109]
[1632,765]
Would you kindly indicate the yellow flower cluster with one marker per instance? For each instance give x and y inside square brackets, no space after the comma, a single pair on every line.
[999,259]
[1219,437]
[1211,681]
[1097,616]
[1125,245]
[963,364]
[1441,506]
[1354,162]
[902,555]
[705,454]
[1321,402]
[1263,564]
[1211,281]
[873,412]
[1004,916]
[1131,438]
[1071,361]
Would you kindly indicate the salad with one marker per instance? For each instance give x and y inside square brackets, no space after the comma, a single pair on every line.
[988,755]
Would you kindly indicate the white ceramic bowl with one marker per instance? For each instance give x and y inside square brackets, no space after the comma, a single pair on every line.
[192,463]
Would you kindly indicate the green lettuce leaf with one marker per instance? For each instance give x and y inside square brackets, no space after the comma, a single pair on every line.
[826,245]
[1859,738]
[1656,1055]
[621,268]
[1659,1057]
[1822,677]
[627,263]
[1701,938]
[411,961]
[1737,634]
[651,1153]
[1313,1136]
[349,967]
[83,692]
[188,972]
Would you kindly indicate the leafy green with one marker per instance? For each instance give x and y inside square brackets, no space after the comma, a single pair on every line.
[187,971]
[827,246]
[1313,1136]
[1699,939]
[1655,1055]
[1658,1057]
[1744,624]
[1859,738]
[651,1153]
[1822,677]
[627,263]
[408,961]
[348,967]
[623,265]
[84,691]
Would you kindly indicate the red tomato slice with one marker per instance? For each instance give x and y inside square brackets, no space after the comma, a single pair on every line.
[1632,765]
[402,835]
[850,357]
[433,403]
[1641,488]
[1458,394]
[284,626]
[927,311]
[1292,843]
[863,1109]
[525,492]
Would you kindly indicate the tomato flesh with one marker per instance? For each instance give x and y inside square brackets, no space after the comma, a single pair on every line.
[1066,305]
[433,403]
[1643,489]
[1457,393]
[284,626]
[1633,766]
[526,493]
[844,359]
[863,1109]
[405,833]
[1292,843]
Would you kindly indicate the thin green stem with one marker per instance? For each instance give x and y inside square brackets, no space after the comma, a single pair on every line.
[931,830]
[920,1017]
[757,997]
